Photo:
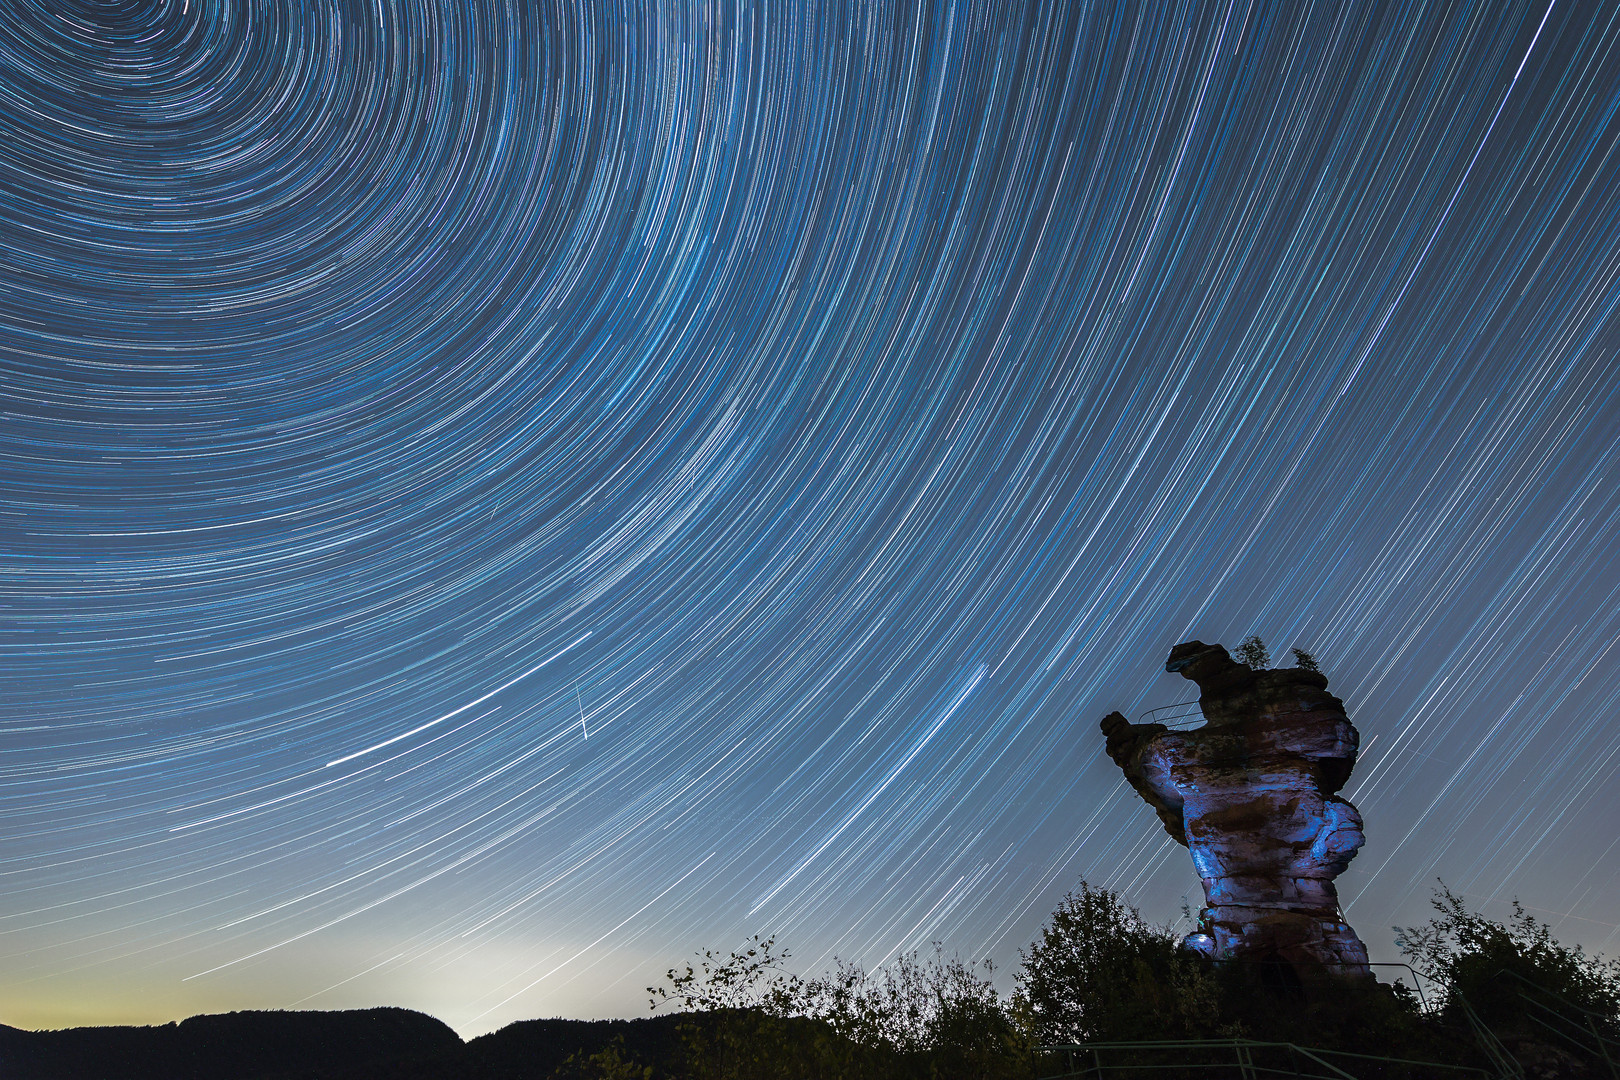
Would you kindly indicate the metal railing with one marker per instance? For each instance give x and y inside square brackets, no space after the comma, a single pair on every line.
[1213,1059]
[1245,1059]
[1181,716]
[1569,1023]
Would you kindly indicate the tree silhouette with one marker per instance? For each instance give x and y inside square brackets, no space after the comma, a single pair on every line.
[1253,653]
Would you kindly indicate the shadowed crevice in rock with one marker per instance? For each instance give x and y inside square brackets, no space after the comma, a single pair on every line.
[1253,794]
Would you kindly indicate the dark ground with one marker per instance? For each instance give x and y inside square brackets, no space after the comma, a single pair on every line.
[368,1044]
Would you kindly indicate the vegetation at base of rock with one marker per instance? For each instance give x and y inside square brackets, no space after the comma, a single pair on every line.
[1487,965]
[1098,972]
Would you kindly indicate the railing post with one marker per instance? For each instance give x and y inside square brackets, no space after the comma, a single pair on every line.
[1603,1047]
[1245,1060]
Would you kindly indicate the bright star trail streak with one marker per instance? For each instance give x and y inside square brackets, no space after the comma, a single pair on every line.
[497,496]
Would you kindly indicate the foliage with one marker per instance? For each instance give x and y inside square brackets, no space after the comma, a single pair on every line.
[1099,971]
[1489,965]
[742,1007]
[751,978]
[936,1018]
[612,1062]
[1253,653]
[1305,661]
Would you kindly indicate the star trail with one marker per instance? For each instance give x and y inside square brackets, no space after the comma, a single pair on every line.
[496,495]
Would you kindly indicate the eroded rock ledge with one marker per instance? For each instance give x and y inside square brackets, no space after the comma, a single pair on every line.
[1253,794]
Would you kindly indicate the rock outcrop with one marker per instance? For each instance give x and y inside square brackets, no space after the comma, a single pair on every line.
[1253,794]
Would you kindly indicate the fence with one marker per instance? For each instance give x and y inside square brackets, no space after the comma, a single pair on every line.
[1560,1021]
[1239,1059]
[1182,716]
[1566,1023]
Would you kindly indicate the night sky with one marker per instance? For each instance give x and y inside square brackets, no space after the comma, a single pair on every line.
[496,496]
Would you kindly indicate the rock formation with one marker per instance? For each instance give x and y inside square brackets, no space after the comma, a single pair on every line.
[1253,796]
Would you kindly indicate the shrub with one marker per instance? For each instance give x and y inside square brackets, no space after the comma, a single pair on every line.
[612,1062]
[743,1007]
[1099,971]
[1253,653]
[1490,967]
[935,1018]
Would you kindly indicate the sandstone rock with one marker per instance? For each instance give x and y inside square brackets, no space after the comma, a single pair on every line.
[1253,794]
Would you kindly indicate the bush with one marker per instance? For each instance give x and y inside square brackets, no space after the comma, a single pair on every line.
[1100,972]
[1490,967]
[612,1062]
[934,1020]
[743,1008]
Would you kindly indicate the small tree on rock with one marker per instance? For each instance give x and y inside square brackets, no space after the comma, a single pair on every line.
[1253,653]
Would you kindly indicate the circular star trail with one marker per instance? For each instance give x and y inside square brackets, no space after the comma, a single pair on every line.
[494,496]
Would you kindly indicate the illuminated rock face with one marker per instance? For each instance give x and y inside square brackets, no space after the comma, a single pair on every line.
[1252,794]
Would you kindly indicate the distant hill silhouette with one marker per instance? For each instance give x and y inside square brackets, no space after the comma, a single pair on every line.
[229,1046]
[364,1044]
[534,1049]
